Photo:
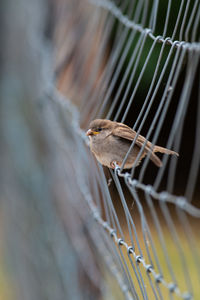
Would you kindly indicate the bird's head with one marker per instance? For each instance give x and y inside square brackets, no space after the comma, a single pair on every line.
[99,129]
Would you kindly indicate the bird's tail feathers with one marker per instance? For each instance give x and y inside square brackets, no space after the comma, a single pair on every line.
[155,159]
[164,150]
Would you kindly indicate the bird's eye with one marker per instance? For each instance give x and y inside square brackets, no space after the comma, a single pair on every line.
[99,129]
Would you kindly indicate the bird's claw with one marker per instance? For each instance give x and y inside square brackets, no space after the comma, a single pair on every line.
[113,164]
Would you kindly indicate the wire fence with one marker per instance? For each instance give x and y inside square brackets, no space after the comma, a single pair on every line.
[135,62]
[146,74]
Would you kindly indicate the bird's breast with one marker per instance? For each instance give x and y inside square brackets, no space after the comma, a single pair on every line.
[112,149]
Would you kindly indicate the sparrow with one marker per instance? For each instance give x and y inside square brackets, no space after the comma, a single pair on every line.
[110,141]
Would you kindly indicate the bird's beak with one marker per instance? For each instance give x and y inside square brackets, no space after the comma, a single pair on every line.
[91,132]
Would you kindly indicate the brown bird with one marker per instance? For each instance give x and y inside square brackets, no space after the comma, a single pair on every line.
[110,141]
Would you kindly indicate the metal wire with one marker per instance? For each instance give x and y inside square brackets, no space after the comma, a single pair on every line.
[109,6]
[180,201]
[143,268]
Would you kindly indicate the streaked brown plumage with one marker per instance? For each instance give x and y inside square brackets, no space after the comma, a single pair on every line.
[110,141]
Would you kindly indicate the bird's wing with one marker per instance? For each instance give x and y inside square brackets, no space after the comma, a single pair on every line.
[129,134]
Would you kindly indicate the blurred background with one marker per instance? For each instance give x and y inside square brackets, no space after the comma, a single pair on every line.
[64,63]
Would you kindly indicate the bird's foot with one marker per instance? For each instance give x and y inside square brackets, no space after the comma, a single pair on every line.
[113,164]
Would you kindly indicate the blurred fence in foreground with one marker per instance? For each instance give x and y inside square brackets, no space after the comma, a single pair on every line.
[62,222]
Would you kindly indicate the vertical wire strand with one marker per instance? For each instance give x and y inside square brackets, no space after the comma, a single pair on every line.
[167,18]
[108,70]
[178,58]
[184,99]
[195,163]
